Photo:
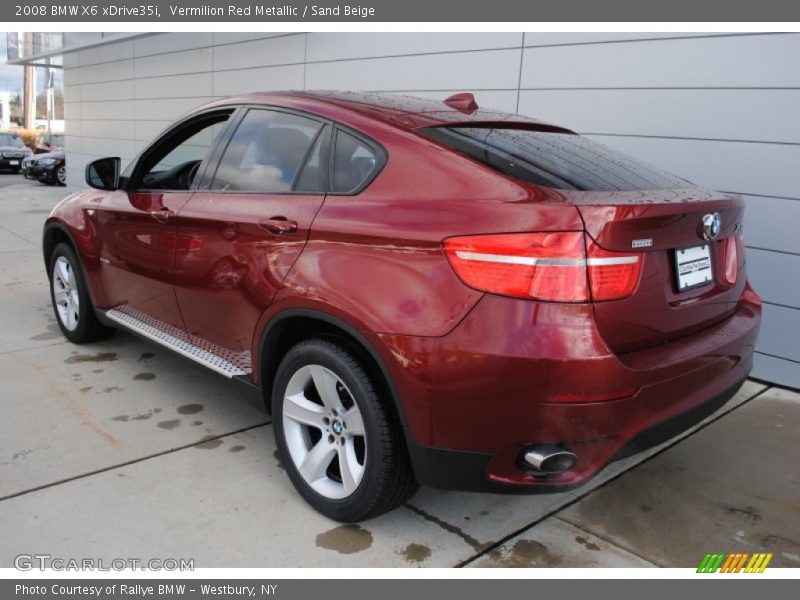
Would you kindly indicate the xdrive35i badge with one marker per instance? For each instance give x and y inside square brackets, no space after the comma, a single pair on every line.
[710,226]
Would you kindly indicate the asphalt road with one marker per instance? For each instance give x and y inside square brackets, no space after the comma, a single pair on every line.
[124,450]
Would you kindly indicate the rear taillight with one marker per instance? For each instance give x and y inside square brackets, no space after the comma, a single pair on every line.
[543,266]
[612,275]
[731,259]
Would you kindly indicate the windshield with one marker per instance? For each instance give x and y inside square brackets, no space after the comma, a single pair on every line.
[11,139]
[558,160]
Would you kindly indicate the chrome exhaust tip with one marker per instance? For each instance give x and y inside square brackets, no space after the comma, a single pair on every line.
[548,459]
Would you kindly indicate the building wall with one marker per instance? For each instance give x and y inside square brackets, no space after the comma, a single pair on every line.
[720,110]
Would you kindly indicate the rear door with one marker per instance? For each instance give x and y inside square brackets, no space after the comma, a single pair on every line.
[248,222]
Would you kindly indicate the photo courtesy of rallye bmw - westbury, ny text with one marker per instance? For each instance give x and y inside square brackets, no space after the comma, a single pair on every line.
[138,590]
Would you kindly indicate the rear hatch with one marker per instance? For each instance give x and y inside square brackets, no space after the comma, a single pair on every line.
[686,238]
[676,295]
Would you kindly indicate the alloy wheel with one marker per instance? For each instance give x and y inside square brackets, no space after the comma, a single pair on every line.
[324,432]
[62,175]
[65,293]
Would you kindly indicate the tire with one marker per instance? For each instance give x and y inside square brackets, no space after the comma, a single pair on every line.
[70,298]
[61,175]
[377,475]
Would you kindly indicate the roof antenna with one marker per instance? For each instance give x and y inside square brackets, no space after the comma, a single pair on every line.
[463,102]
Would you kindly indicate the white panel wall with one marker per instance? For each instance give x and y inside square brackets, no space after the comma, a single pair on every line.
[720,110]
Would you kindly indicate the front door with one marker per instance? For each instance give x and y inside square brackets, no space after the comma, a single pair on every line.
[139,224]
[137,251]
[245,231]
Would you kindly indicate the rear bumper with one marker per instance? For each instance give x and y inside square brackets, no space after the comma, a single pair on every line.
[10,163]
[472,471]
[476,398]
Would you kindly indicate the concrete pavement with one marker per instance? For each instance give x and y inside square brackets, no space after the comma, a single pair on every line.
[123,449]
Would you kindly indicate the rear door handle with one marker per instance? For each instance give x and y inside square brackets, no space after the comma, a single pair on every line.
[278,225]
[161,215]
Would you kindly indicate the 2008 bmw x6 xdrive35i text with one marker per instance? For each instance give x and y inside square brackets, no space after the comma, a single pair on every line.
[426,293]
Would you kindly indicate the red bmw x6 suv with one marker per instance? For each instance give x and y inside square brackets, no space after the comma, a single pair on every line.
[426,293]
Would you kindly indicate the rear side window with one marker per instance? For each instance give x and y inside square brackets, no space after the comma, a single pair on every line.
[557,160]
[266,153]
[354,162]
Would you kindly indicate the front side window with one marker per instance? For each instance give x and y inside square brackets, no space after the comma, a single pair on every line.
[173,163]
[267,152]
[353,163]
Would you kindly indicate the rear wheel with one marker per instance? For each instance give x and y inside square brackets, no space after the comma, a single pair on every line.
[340,444]
[70,298]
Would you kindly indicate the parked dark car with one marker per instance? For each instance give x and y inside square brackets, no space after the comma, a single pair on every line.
[425,292]
[50,168]
[12,151]
[48,143]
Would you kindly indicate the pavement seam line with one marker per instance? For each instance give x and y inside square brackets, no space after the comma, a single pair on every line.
[491,546]
[15,234]
[133,461]
[449,527]
[28,349]
[608,541]
[13,250]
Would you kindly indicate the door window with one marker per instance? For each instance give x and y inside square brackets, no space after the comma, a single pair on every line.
[266,154]
[311,178]
[173,162]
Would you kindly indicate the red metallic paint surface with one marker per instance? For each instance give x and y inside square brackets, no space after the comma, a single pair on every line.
[473,371]
[137,242]
[225,281]
[487,384]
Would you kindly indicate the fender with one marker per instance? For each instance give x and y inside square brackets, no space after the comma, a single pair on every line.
[279,316]
[86,251]
[420,459]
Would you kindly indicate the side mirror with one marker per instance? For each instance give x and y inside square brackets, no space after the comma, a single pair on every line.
[103,173]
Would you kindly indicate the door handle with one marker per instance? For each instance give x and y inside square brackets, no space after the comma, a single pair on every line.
[161,215]
[278,225]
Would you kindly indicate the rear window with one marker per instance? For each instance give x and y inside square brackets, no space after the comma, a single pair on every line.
[557,160]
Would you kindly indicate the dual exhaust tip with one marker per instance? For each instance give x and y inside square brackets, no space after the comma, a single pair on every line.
[547,459]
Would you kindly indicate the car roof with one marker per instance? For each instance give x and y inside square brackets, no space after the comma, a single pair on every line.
[407,112]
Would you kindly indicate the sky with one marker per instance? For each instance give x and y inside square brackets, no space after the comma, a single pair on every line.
[11,75]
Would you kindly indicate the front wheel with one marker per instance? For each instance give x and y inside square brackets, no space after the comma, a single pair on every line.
[61,175]
[70,298]
[337,437]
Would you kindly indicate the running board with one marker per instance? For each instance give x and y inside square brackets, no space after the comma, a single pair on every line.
[216,358]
